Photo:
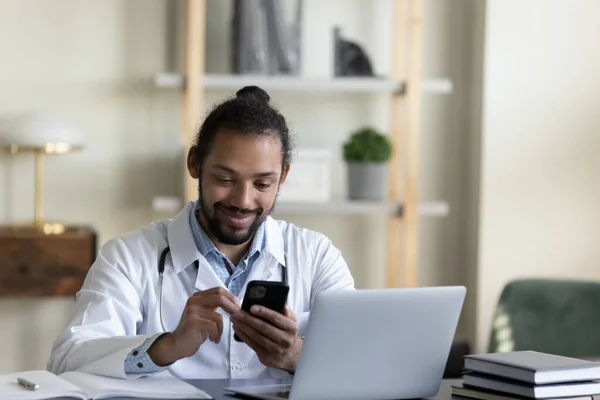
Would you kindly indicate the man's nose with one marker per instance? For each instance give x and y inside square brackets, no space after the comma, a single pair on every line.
[242,196]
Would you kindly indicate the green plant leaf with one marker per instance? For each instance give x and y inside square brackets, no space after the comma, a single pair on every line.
[367,145]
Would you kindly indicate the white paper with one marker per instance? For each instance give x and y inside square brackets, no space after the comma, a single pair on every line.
[50,387]
[80,385]
[169,387]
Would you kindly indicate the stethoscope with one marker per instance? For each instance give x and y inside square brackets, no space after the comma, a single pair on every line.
[161,272]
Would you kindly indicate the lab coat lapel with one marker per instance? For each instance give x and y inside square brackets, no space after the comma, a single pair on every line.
[184,251]
[181,241]
[274,241]
[207,278]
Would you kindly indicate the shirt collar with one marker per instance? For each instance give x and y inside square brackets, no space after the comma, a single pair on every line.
[184,251]
[181,240]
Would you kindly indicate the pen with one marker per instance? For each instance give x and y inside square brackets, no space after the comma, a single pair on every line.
[27,384]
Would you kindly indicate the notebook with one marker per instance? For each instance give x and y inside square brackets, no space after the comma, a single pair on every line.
[481,394]
[80,385]
[520,389]
[533,367]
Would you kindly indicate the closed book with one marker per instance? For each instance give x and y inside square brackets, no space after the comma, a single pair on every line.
[474,393]
[533,367]
[521,389]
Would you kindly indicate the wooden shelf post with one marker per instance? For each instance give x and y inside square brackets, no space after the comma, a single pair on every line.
[405,114]
[193,92]
[413,103]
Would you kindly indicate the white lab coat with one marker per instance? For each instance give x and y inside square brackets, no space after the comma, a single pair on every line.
[118,305]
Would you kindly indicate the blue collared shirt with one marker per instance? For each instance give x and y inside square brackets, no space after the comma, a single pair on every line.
[138,361]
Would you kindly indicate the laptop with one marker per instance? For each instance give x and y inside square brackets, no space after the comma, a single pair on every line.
[375,344]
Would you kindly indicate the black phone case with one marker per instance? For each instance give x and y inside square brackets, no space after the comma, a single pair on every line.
[274,297]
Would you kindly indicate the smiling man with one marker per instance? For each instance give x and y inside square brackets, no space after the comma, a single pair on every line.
[167,297]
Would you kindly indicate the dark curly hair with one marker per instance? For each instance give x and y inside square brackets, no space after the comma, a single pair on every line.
[248,112]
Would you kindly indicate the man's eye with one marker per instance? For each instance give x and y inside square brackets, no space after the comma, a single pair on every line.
[263,185]
[224,181]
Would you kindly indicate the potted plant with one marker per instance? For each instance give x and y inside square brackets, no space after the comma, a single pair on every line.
[367,153]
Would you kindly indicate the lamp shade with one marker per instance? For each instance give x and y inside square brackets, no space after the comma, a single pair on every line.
[38,130]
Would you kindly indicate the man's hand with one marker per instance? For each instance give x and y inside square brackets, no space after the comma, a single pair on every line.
[273,336]
[200,321]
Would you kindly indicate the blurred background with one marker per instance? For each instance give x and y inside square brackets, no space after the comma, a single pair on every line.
[503,110]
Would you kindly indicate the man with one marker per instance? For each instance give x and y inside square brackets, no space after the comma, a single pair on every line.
[130,320]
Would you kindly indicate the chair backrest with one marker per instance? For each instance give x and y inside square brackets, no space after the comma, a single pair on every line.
[548,315]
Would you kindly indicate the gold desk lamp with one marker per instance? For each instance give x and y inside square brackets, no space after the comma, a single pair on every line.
[39,135]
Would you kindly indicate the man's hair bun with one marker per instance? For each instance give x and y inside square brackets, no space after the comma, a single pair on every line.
[253,93]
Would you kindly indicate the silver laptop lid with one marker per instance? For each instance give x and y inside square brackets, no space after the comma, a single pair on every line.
[377,344]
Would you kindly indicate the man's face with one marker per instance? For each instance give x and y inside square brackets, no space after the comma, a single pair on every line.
[238,184]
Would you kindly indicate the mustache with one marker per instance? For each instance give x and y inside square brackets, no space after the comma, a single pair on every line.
[237,210]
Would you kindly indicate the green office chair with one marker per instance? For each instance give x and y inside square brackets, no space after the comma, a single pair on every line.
[548,315]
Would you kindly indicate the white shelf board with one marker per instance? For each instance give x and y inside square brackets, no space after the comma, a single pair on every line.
[432,208]
[301,84]
[338,207]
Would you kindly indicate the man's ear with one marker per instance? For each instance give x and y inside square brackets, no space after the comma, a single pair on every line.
[284,173]
[193,164]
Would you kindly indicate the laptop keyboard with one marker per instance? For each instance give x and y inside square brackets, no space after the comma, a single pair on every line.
[282,392]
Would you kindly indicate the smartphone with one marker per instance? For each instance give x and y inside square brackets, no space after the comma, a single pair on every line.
[270,294]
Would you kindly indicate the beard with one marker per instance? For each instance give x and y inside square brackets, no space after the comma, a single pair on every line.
[224,232]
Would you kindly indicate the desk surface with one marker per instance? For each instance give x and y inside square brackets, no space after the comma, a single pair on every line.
[214,387]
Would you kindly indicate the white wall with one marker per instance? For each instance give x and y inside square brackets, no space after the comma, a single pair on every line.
[540,191]
[449,148]
[92,63]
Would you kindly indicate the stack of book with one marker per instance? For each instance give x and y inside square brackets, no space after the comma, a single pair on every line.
[528,374]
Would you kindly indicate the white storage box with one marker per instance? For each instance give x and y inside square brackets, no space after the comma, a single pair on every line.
[309,179]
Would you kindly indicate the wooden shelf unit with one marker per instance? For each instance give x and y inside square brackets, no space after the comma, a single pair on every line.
[404,88]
